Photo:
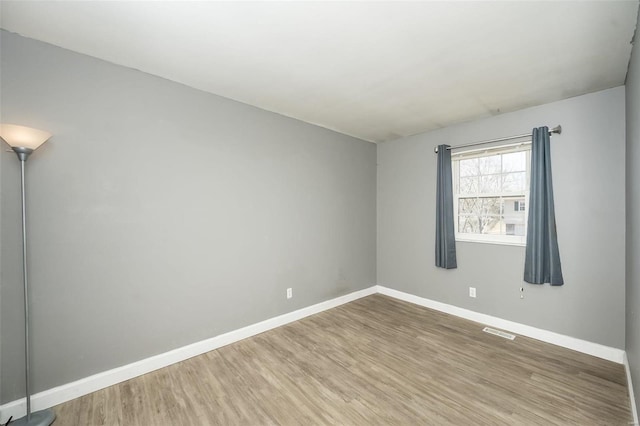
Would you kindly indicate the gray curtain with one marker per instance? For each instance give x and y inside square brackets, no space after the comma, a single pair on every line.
[445,233]
[542,258]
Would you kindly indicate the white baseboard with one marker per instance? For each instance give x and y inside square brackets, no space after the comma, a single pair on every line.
[69,391]
[595,349]
[632,397]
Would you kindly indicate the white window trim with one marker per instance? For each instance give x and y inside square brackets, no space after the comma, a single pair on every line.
[511,240]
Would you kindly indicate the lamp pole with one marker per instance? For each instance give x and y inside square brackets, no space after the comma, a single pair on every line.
[23,154]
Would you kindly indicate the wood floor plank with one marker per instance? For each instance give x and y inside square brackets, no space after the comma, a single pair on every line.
[374,361]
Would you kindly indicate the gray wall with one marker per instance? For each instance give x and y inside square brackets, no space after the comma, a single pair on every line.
[589,180]
[633,216]
[161,215]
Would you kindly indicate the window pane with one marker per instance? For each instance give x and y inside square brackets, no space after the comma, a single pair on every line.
[514,162]
[479,206]
[491,206]
[468,225]
[514,215]
[489,184]
[490,164]
[468,185]
[469,167]
[490,225]
[468,206]
[514,182]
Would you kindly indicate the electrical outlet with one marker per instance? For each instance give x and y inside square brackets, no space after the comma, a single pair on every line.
[472,292]
[289,293]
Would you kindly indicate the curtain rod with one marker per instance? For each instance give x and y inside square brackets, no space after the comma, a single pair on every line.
[557,129]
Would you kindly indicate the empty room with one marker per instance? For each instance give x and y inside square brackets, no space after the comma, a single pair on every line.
[312,213]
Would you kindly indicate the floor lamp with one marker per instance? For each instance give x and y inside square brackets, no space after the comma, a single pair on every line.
[23,141]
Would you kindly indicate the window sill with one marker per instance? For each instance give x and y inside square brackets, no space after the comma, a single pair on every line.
[499,243]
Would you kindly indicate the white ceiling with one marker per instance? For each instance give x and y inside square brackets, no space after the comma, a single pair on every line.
[374,70]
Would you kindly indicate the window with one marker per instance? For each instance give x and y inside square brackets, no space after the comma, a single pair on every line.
[490,188]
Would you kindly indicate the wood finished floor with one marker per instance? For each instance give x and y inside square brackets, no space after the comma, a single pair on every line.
[373,361]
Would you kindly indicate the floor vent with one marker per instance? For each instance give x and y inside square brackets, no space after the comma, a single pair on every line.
[499,333]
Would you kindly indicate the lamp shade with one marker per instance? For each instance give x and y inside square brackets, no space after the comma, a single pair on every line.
[23,137]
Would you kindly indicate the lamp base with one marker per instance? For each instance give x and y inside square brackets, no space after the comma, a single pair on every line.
[39,418]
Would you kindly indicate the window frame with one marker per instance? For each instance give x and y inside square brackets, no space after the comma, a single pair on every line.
[513,240]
